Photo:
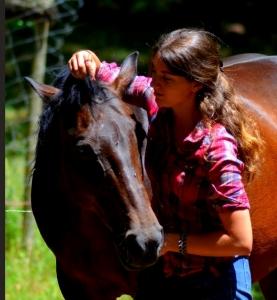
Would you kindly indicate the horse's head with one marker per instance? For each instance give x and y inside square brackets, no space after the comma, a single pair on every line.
[99,148]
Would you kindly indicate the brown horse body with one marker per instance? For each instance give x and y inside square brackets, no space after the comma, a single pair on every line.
[255,80]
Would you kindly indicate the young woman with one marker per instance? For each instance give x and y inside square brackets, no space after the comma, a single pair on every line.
[202,150]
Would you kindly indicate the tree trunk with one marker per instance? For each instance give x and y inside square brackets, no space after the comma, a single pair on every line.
[35,107]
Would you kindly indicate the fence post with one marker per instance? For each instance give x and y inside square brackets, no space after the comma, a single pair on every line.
[34,110]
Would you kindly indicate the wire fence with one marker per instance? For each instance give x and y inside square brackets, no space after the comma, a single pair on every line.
[20,44]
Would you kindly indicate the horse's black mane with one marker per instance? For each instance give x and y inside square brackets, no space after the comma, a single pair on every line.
[74,93]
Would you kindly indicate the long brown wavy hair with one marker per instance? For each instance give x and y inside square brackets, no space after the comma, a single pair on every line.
[194,54]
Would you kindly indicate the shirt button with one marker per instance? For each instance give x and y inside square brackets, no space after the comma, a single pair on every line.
[180,178]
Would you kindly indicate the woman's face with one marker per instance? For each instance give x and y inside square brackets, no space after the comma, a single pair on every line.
[171,90]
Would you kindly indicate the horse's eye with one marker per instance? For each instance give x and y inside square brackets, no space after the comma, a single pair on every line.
[86,162]
[84,151]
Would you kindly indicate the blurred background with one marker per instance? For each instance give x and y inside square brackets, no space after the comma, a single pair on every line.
[41,35]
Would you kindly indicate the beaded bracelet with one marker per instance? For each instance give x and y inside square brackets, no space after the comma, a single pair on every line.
[182,243]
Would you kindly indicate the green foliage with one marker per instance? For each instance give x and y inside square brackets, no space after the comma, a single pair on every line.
[15,24]
[111,46]
[14,178]
[29,276]
[257,293]
[137,6]
[16,129]
[125,297]
[13,222]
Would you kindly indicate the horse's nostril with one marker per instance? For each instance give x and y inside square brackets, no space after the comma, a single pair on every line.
[140,251]
[133,246]
[162,235]
[147,250]
[151,248]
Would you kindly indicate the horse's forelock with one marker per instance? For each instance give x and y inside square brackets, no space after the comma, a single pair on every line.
[75,93]
[84,91]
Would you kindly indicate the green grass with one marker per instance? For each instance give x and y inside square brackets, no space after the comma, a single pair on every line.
[31,276]
[257,293]
[14,178]
[27,275]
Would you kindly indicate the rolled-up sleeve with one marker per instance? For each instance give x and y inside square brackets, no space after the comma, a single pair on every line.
[225,172]
[143,92]
[140,88]
[107,72]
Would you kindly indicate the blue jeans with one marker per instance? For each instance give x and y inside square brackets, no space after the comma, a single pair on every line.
[230,280]
[234,282]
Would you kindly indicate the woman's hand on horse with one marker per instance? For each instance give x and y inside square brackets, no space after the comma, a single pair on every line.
[83,63]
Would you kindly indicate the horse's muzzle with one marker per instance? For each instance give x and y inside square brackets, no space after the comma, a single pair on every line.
[136,254]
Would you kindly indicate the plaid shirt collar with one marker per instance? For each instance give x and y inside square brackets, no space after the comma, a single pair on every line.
[197,134]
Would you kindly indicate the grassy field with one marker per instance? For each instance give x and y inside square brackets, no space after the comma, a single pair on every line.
[32,275]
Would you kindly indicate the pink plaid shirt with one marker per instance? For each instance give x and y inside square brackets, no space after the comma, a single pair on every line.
[193,184]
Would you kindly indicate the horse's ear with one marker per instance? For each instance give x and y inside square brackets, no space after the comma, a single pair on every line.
[127,73]
[46,92]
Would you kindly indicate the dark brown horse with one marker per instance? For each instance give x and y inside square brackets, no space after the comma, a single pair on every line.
[255,79]
[90,193]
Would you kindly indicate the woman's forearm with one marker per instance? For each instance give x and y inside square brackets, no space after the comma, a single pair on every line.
[235,238]
[212,244]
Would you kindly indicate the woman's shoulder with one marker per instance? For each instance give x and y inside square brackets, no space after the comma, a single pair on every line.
[210,133]
[222,142]
[219,130]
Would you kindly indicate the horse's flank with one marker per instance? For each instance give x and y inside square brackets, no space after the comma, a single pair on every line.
[255,80]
